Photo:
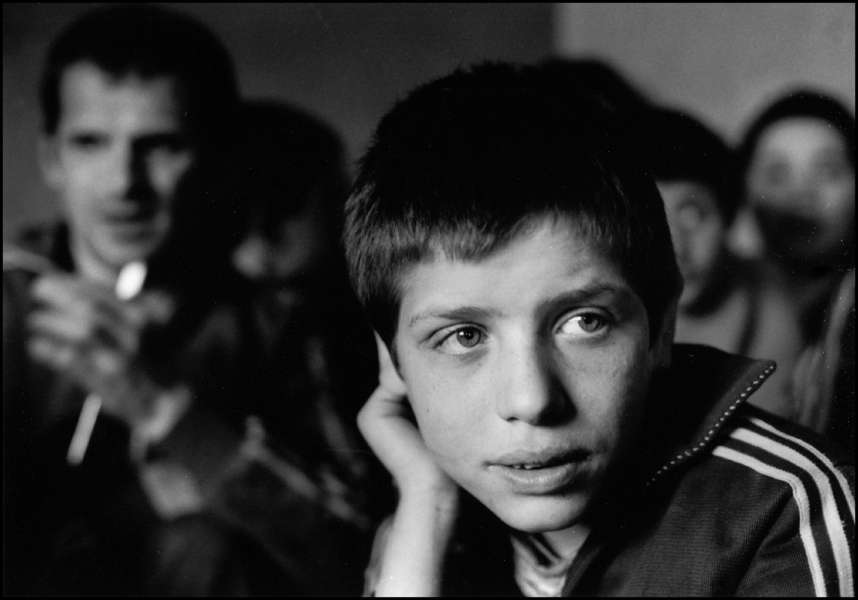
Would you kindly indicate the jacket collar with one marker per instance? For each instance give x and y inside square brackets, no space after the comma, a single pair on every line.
[703,389]
[690,405]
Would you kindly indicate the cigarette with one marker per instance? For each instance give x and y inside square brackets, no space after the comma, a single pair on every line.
[128,284]
[83,430]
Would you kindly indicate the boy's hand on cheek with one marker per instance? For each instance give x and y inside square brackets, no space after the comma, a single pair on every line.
[412,557]
[387,423]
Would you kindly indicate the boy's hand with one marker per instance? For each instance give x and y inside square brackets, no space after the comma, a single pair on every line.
[412,556]
[387,423]
[82,330]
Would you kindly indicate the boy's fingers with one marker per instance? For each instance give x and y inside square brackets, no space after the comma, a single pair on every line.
[383,403]
[388,376]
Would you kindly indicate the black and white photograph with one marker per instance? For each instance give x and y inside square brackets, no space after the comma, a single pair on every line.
[428,299]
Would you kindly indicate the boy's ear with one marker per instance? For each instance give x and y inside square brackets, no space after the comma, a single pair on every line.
[388,372]
[663,343]
[49,161]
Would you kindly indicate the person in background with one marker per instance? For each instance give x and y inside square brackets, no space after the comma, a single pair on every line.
[695,173]
[290,174]
[181,485]
[797,169]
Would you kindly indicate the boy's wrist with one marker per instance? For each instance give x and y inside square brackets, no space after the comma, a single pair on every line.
[417,542]
[443,497]
[430,512]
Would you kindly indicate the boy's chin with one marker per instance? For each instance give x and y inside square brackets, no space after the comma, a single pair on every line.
[540,514]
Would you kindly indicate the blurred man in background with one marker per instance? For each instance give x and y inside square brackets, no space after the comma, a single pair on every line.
[176,488]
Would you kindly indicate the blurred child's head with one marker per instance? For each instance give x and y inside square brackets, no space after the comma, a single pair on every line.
[694,172]
[519,266]
[290,172]
[797,166]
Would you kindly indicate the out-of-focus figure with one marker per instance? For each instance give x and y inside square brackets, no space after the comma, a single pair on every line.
[292,177]
[797,164]
[695,173]
[183,483]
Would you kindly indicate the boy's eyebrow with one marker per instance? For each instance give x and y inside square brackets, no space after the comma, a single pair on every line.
[473,313]
[584,294]
[458,313]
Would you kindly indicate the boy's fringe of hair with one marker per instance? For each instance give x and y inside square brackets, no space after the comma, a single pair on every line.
[465,163]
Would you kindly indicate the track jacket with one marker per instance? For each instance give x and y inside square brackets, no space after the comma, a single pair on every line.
[722,499]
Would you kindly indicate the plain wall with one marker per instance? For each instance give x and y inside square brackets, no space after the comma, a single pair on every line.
[346,63]
[721,62]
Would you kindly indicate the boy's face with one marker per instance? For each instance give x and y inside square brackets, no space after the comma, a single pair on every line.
[801,184]
[698,231]
[117,159]
[528,372]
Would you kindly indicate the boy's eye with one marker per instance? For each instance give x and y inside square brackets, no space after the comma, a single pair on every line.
[584,324]
[462,340]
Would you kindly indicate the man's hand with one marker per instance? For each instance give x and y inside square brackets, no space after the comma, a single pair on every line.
[412,558]
[82,330]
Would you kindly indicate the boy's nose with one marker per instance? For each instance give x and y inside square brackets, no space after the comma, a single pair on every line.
[530,390]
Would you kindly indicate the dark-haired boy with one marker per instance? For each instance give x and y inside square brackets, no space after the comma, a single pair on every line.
[149,396]
[518,268]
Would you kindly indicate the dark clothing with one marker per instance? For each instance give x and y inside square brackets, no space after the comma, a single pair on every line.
[826,383]
[722,499]
[225,504]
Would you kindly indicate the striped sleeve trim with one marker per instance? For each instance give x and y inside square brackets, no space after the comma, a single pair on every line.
[826,506]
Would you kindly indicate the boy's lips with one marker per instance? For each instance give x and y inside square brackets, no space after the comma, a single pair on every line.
[536,473]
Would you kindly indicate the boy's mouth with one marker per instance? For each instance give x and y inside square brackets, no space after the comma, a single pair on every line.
[540,473]
[536,460]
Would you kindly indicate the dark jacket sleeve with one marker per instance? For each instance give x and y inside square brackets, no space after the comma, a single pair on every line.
[807,551]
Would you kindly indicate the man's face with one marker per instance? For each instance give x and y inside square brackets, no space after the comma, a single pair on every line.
[527,371]
[698,232]
[117,159]
[801,184]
